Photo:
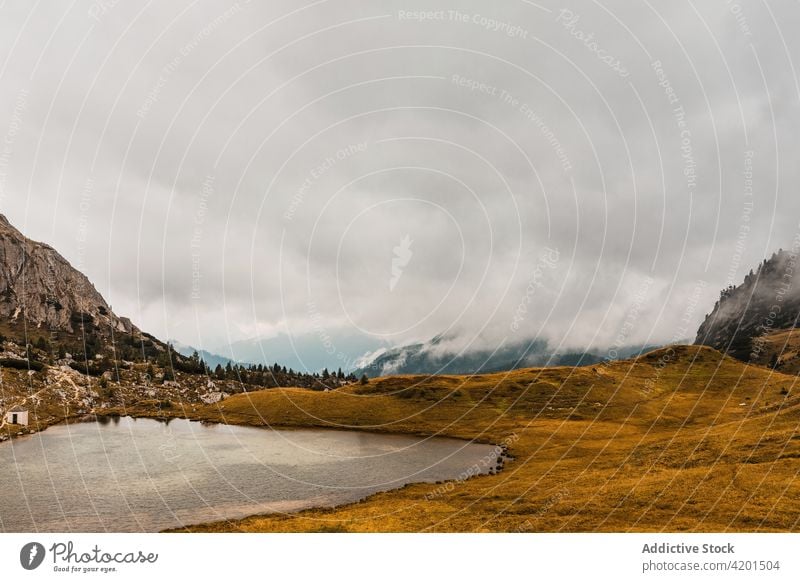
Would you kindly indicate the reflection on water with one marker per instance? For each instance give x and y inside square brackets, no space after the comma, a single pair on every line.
[124,474]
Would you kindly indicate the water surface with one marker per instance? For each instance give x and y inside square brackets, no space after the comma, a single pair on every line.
[143,475]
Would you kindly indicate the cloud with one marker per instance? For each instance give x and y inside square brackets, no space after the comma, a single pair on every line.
[219,170]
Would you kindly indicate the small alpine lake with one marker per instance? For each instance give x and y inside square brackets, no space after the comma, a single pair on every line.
[123,474]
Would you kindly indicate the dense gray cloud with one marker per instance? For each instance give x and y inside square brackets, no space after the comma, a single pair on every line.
[223,171]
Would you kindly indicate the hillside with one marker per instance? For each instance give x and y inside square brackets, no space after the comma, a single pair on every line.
[779,350]
[768,301]
[680,439]
[64,352]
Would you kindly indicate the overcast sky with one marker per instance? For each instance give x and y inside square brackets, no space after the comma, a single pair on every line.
[572,171]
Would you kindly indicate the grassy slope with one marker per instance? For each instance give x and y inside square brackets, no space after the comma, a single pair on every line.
[658,443]
[785,345]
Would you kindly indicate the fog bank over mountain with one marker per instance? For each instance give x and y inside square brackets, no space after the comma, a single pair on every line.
[767,301]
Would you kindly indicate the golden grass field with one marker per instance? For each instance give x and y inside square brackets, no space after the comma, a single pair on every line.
[681,439]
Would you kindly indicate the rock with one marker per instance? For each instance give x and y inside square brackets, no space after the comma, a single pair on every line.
[744,313]
[212,397]
[55,295]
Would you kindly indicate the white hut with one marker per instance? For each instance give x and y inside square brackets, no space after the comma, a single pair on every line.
[17,415]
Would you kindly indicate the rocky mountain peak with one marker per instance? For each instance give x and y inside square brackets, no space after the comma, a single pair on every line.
[39,288]
[768,300]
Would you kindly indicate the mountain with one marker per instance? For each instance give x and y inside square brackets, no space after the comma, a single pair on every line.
[211,360]
[310,352]
[40,289]
[437,356]
[747,318]
[65,353]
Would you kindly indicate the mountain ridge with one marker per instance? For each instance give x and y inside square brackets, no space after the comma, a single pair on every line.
[38,284]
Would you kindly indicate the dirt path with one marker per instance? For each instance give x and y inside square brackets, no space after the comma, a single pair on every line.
[60,378]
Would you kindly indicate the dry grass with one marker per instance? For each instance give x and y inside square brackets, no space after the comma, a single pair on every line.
[677,440]
[783,346]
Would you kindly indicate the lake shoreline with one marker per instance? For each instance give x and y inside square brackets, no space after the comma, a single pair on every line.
[160,414]
[356,469]
[208,415]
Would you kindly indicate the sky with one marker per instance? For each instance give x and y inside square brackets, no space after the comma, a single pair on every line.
[589,173]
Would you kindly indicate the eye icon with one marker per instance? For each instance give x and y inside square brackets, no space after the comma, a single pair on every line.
[31,555]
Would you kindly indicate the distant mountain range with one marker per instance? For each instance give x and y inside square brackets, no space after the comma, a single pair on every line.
[311,352]
[211,360]
[434,357]
[755,321]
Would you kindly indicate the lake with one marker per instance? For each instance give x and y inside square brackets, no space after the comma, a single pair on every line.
[143,475]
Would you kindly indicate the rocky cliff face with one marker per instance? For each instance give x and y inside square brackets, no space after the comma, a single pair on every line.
[39,288]
[745,316]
